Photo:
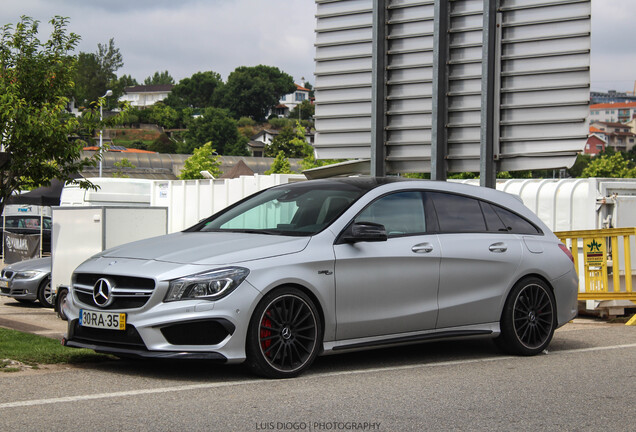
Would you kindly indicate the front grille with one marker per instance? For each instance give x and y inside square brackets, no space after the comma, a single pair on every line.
[7,274]
[128,292]
[5,290]
[128,339]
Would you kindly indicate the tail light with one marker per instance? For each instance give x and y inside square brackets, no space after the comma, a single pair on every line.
[566,251]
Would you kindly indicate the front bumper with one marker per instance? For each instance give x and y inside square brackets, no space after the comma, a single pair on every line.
[23,289]
[190,329]
[141,353]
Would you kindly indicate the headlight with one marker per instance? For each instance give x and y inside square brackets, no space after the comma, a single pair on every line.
[206,286]
[27,274]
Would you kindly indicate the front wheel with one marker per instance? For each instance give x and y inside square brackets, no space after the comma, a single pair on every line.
[45,294]
[60,303]
[284,334]
[528,320]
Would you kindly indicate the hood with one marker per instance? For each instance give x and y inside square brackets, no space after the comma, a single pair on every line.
[38,264]
[208,248]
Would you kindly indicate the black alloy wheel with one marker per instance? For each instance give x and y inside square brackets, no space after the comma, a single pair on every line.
[529,318]
[284,334]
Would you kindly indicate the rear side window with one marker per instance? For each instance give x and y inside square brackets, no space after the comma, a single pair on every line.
[515,223]
[456,214]
[493,221]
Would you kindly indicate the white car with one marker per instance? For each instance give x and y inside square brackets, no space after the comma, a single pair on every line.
[325,266]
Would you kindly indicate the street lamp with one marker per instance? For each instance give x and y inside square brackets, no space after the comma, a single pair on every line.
[101,131]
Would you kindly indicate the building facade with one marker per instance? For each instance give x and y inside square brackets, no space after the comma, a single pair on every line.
[288,102]
[612,96]
[613,112]
[619,136]
[143,96]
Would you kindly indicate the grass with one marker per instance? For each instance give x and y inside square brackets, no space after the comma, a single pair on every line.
[34,350]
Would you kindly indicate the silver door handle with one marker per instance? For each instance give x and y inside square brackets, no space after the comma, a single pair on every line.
[498,247]
[422,248]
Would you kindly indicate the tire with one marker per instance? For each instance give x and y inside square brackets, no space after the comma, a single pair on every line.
[528,320]
[45,295]
[60,299]
[284,335]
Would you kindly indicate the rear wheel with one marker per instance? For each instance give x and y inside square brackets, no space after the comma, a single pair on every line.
[45,294]
[528,319]
[284,334]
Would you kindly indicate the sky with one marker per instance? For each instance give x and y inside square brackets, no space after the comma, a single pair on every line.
[188,36]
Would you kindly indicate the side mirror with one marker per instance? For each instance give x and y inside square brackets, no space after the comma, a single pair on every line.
[365,232]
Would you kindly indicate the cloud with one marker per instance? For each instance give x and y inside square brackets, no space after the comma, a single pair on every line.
[613,63]
[185,37]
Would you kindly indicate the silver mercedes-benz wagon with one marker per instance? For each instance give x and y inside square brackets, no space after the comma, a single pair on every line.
[323,266]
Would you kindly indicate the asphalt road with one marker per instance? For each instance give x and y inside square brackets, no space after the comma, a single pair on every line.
[585,382]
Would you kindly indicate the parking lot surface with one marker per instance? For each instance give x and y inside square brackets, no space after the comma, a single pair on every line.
[583,382]
[31,318]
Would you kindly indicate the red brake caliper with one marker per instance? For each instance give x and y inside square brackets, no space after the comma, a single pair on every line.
[265,344]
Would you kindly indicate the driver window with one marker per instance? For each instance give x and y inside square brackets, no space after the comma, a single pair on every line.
[401,213]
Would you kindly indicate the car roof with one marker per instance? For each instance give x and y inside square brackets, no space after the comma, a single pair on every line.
[366,184]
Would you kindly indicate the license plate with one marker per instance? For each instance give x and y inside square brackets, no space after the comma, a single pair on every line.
[103,320]
[4,284]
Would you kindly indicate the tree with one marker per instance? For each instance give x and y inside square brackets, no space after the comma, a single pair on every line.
[309,87]
[110,59]
[310,162]
[120,84]
[582,160]
[613,165]
[89,84]
[304,110]
[164,116]
[159,78]
[280,123]
[254,91]
[163,144]
[121,166]
[95,73]
[203,158]
[214,124]
[280,165]
[238,148]
[291,142]
[36,80]
[195,92]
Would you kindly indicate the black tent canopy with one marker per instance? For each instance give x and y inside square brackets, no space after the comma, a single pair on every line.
[43,196]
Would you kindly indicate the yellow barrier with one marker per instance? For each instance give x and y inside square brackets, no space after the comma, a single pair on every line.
[602,254]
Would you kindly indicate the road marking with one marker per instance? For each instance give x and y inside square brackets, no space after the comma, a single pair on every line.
[126,393]
[80,398]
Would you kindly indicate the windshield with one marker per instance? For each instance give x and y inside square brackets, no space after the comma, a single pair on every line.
[288,210]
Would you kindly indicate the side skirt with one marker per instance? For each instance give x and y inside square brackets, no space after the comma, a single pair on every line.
[490,330]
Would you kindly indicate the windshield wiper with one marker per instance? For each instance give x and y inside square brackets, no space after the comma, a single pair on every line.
[257,231]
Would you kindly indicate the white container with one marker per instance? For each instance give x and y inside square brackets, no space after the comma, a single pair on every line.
[576,204]
[189,201]
[81,232]
[26,210]
[110,191]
